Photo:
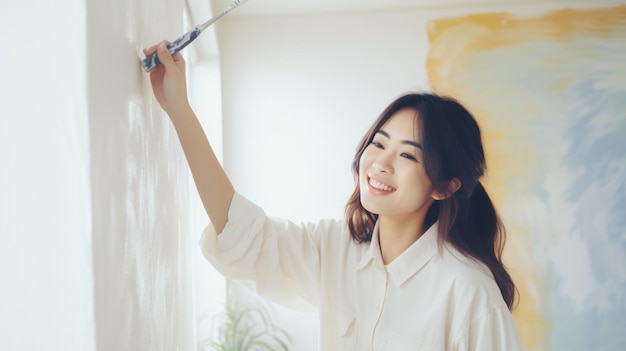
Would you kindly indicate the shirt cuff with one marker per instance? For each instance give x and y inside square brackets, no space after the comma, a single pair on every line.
[237,233]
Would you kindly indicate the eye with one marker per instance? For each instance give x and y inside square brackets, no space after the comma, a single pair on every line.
[408,156]
[377,144]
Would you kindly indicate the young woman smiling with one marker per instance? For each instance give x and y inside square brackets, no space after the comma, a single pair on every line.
[415,265]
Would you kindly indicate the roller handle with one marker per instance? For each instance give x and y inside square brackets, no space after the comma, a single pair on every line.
[152,61]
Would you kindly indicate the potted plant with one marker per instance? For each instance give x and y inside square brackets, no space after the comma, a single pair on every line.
[246,328]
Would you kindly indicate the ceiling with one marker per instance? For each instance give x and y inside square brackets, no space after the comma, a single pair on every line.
[303,7]
[291,7]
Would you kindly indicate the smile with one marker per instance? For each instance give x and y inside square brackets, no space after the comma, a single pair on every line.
[380,186]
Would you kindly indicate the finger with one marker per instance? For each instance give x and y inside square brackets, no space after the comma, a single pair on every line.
[178,59]
[149,51]
[164,56]
[177,56]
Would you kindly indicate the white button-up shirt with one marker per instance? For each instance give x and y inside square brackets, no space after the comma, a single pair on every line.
[428,298]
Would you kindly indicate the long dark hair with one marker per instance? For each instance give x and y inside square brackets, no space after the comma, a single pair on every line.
[452,148]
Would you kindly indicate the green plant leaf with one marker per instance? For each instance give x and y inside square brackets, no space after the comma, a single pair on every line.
[247,328]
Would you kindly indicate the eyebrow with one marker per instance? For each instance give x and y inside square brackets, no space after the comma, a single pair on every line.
[408,142]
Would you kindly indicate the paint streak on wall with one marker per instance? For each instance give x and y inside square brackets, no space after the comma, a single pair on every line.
[549,93]
[141,248]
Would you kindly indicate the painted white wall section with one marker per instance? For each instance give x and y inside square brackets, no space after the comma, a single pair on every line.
[140,197]
[98,219]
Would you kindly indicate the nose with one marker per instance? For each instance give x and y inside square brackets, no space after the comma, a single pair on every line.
[383,163]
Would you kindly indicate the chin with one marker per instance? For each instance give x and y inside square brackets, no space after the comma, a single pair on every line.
[371,210]
[369,207]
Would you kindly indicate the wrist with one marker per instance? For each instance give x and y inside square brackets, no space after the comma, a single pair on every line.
[180,112]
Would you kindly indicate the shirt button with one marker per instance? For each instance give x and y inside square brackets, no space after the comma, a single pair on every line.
[377,308]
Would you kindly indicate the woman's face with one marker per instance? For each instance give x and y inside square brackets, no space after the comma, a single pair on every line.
[392,178]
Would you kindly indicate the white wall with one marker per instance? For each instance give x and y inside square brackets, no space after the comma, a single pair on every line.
[99,222]
[46,293]
[299,92]
[139,183]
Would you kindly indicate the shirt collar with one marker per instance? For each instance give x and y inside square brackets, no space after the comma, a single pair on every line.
[373,251]
[413,259]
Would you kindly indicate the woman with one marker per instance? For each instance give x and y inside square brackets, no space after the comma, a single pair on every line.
[415,265]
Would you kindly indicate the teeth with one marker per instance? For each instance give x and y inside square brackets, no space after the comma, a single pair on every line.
[379,185]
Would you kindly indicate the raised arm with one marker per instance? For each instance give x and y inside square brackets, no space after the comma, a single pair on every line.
[170,89]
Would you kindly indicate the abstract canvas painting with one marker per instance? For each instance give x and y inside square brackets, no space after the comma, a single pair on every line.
[549,92]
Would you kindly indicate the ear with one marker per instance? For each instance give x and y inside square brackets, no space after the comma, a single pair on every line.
[453,185]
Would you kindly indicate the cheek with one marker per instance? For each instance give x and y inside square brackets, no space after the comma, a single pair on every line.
[416,179]
[364,162]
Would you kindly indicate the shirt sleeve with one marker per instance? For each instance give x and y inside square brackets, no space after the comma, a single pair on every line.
[277,259]
[493,331]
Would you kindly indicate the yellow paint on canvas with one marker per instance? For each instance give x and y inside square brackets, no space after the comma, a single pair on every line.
[455,65]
